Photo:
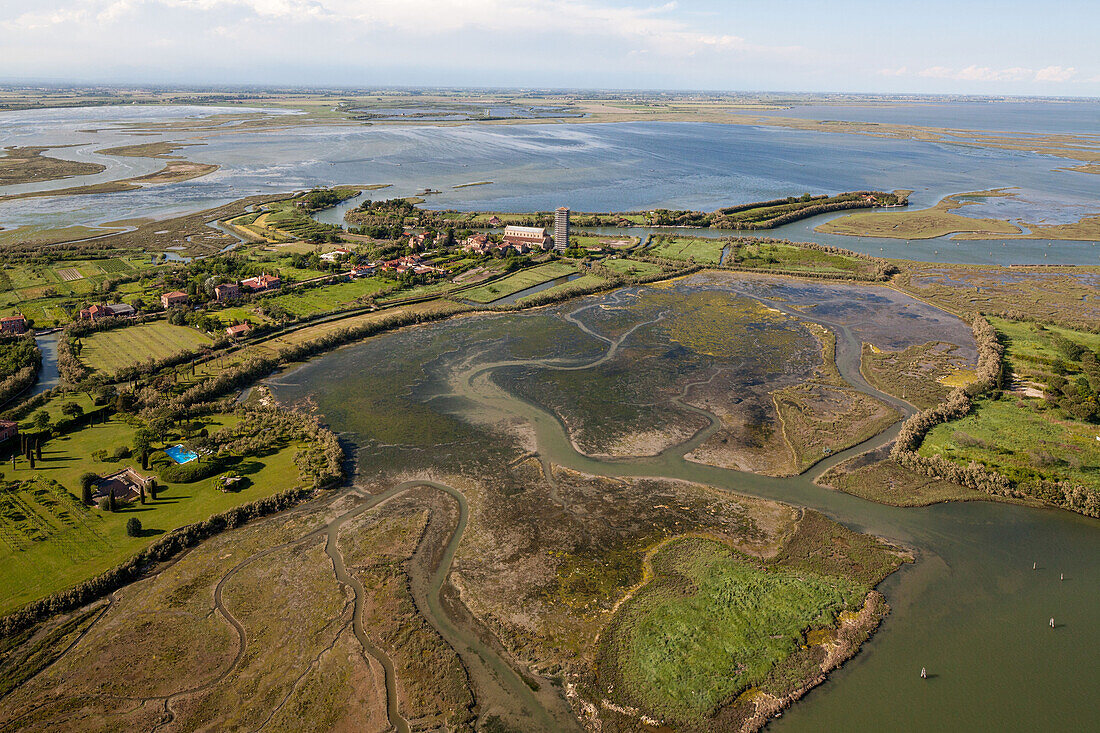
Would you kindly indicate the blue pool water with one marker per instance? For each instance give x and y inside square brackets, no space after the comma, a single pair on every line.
[179,454]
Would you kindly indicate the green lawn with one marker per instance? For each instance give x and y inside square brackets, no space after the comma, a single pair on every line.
[518,281]
[713,623]
[77,542]
[109,351]
[1019,443]
[708,251]
[632,267]
[786,257]
[330,297]
[584,281]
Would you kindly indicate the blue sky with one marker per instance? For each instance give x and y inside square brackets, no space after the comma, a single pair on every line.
[1006,47]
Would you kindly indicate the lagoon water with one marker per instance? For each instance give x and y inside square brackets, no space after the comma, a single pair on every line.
[971,609]
[589,167]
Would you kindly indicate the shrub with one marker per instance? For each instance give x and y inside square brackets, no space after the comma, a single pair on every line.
[104,504]
[133,527]
[185,473]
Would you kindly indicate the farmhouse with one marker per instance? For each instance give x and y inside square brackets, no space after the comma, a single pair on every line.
[107,310]
[362,270]
[8,429]
[533,237]
[176,297]
[16,324]
[226,291]
[494,221]
[261,283]
[241,329]
[126,485]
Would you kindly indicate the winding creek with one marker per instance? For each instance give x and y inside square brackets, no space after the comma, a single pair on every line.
[971,609]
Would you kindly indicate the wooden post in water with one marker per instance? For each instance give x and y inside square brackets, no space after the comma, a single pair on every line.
[924,673]
[1052,622]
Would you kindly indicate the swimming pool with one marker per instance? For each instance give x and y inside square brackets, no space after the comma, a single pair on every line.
[179,454]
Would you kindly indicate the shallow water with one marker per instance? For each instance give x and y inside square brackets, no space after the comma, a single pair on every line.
[590,167]
[971,609]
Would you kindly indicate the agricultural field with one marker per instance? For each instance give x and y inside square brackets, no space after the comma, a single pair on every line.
[75,542]
[518,281]
[328,297]
[702,250]
[109,351]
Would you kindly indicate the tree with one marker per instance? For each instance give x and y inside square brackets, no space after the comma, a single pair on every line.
[153,488]
[104,504]
[143,440]
[111,505]
[42,420]
[72,409]
[142,494]
[133,527]
[86,494]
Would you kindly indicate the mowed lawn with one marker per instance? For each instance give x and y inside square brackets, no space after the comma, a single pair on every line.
[518,281]
[109,351]
[330,297]
[49,541]
[708,251]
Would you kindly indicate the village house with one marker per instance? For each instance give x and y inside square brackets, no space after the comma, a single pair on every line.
[417,242]
[176,297]
[107,310]
[238,331]
[262,283]
[476,244]
[494,221]
[363,270]
[8,429]
[533,237]
[335,254]
[16,324]
[226,291]
[126,485]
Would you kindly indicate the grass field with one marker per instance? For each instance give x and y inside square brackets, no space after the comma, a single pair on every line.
[1030,348]
[109,351]
[518,281]
[632,268]
[707,251]
[713,623]
[77,542]
[785,257]
[1019,443]
[330,297]
[584,281]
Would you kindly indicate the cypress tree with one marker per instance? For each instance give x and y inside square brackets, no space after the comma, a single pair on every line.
[111,505]
[86,493]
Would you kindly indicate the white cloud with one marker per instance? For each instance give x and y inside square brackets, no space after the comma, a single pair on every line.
[987,74]
[1055,73]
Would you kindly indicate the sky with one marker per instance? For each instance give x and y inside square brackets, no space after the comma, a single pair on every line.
[1009,47]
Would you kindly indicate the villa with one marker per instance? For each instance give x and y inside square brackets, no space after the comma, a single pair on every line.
[262,283]
[16,324]
[8,429]
[226,291]
[335,254]
[176,297]
[126,485]
[241,329]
